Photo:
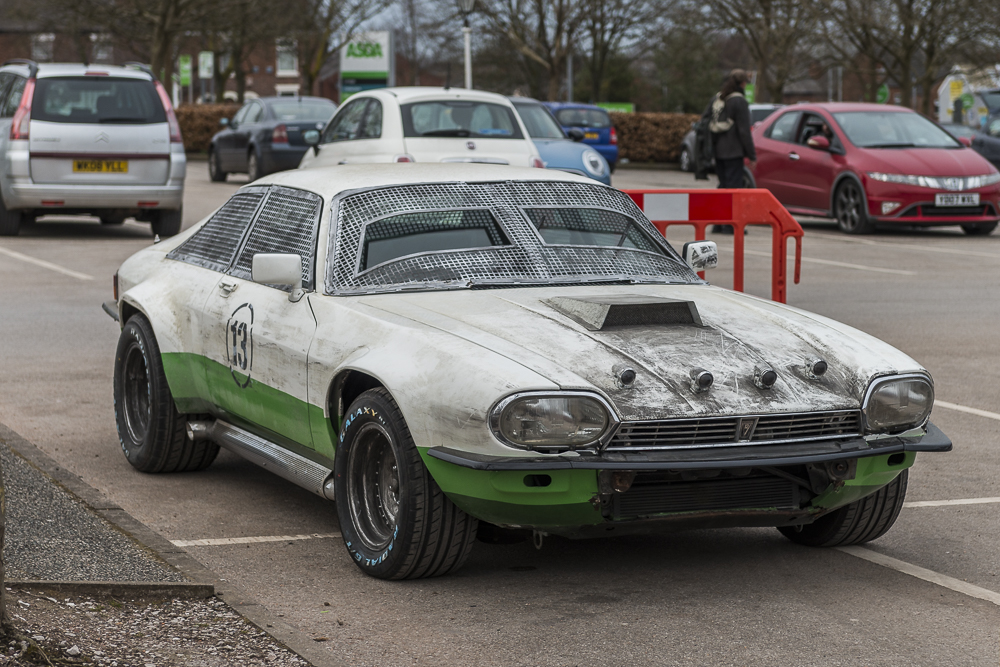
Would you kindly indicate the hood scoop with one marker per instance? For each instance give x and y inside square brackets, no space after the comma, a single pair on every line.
[598,313]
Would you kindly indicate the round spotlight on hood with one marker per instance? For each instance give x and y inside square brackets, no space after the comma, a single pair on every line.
[816,368]
[701,380]
[764,376]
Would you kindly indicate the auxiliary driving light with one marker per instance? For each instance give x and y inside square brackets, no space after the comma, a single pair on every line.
[889,206]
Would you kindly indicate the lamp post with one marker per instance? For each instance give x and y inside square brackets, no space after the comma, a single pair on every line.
[466,7]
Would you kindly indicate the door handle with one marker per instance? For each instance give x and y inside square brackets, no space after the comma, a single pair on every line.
[793,156]
[227,287]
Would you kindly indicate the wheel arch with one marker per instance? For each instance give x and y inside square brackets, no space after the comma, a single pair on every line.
[841,177]
[346,386]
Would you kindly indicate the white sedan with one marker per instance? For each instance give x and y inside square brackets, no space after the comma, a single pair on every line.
[458,350]
[417,124]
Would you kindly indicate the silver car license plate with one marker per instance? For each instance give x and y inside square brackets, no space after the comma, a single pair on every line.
[970,199]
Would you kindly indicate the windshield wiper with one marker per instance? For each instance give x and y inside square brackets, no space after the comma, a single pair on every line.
[447,133]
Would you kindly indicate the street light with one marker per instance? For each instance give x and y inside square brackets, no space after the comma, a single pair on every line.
[466,7]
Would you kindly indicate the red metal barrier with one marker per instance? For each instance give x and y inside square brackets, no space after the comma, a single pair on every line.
[739,208]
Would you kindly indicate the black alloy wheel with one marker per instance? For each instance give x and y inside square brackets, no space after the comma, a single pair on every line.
[850,208]
[215,172]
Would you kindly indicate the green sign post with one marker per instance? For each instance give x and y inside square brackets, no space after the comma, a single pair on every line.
[750,91]
[184,69]
[967,101]
[620,107]
[882,94]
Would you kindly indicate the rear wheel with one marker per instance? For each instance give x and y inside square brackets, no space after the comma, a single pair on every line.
[10,221]
[253,167]
[396,521]
[850,208]
[215,167]
[167,222]
[112,220]
[152,432]
[981,229]
[859,522]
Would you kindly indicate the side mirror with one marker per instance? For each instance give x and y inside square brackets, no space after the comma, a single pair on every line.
[966,141]
[224,122]
[819,142]
[311,137]
[699,255]
[575,133]
[279,269]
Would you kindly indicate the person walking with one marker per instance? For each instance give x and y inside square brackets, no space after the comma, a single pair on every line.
[728,118]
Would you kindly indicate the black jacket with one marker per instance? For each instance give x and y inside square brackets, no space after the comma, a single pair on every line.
[736,142]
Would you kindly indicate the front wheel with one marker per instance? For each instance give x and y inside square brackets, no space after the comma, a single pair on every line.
[856,523]
[396,521]
[253,167]
[167,222]
[215,172]
[980,229]
[850,208]
[685,160]
[10,221]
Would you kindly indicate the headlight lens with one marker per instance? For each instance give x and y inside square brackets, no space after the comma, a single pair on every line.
[897,404]
[594,163]
[938,183]
[538,422]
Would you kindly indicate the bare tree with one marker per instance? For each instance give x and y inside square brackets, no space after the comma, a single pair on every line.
[607,25]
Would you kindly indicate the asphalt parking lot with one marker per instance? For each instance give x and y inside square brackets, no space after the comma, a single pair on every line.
[927,593]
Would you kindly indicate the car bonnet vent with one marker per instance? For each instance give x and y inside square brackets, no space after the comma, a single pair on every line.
[597,313]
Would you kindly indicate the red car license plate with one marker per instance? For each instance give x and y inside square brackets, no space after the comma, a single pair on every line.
[970,199]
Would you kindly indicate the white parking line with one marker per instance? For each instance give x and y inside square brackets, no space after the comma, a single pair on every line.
[957,585]
[45,265]
[223,541]
[907,246]
[830,262]
[971,411]
[944,503]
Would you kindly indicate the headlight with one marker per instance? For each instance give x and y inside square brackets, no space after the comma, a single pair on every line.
[594,163]
[899,403]
[546,421]
[938,183]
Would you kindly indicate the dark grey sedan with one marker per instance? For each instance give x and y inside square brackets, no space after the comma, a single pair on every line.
[265,136]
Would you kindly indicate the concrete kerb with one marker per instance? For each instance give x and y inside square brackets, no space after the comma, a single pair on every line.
[205,582]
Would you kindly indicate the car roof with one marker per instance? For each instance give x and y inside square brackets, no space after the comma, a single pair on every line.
[408,94]
[518,99]
[296,98]
[46,70]
[573,105]
[331,181]
[835,107]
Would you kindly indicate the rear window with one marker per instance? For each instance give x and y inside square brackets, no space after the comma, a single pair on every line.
[429,231]
[589,227]
[318,111]
[596,118]
[97,99]
[458,118]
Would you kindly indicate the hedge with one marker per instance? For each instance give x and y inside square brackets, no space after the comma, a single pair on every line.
[199,122]
[651,136]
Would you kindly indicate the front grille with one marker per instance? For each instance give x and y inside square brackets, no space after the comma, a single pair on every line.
[931,211]
[734,431]
[650,495]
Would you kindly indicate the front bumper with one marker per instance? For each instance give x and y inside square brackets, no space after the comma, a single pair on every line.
[916,205]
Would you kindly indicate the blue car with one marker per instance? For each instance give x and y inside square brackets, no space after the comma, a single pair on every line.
[557,150]
[594,122]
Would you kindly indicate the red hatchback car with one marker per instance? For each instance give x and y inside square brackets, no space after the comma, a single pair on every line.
[872,164]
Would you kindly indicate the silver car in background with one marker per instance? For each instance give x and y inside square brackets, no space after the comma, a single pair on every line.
[88,140]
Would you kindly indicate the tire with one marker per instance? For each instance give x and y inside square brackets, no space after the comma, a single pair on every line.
[253,167]
[396,521]
[10,221]
[980,229]
[748,179]
[685,160]
[167,222]
[850,208]
[859,522]
[151,431]
[112,220]
[215,172]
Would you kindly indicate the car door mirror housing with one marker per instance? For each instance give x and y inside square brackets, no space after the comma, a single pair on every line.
[575,133]
[278,269]
[700,255]
[819,142]
[311,137]
[224,122]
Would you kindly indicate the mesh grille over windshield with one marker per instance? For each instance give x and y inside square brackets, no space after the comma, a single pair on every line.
[527,260]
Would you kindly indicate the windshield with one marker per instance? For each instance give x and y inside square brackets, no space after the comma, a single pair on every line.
[991,99]
[97,99]
[539,122]
[428,231]
[458,118]
[893,129]
[595,118]
[303,110]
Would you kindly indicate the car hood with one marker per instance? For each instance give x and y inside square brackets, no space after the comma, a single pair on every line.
[926,161]
[737,333]
[563,154]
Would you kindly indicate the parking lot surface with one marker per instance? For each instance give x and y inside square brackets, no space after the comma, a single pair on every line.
[927,593]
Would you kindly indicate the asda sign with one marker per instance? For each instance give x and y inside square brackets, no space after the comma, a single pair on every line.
[364,50]
[366,62]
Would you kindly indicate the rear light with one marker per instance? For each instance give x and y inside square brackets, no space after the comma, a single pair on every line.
[22,117]
[403,158]
[53,202]
[614,137]
[148,204]
[280,135]
[175,127]
[114,282]
[537,163]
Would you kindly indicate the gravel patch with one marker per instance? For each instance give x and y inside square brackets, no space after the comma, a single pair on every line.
[54,537]
[136,633]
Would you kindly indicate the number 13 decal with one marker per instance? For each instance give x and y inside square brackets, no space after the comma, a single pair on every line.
[239,344]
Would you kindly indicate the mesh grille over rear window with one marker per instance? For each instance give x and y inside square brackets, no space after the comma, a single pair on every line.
[214,245]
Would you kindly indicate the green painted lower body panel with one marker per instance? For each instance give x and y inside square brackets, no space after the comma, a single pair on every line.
[872,474]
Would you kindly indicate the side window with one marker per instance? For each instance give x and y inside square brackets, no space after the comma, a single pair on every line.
[254,113]
[784,128]
[288,223]
[5,79]
[215,244]
[13,98]
[347,123]
[241,115]
[994,130]
[372,128]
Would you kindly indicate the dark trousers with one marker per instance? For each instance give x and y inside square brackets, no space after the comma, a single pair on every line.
[730,172]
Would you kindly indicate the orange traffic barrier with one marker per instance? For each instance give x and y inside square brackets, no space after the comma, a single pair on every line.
[739,208]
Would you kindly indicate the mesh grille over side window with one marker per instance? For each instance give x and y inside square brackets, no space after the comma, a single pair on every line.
[589,227]
[428,231]
[214,245]
[288,223]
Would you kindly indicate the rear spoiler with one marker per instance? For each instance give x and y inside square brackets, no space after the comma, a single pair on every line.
[31,64]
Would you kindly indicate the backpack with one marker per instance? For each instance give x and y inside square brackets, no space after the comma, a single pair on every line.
[719,121]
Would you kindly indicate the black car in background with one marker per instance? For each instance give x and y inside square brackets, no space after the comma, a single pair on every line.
[265,136]
[986,141]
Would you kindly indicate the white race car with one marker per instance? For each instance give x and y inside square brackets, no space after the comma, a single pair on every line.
[452,349]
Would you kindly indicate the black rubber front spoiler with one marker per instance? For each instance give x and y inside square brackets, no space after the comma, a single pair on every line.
[724,457]
[111,308]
